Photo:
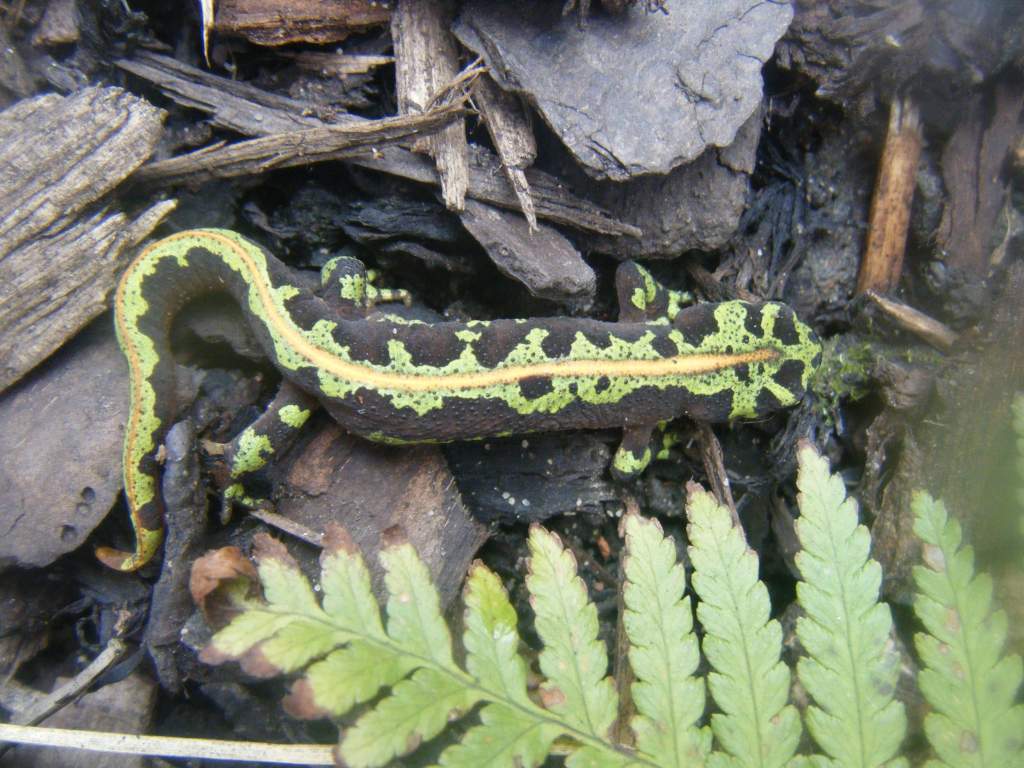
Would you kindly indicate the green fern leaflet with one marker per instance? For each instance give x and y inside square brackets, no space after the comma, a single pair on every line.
[970,687]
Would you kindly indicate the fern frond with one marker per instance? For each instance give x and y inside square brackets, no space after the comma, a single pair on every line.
[510,733]
[851,668]
[574,660]
[290,626]
[970,688]
[411,655]
[663,650]
[749,682]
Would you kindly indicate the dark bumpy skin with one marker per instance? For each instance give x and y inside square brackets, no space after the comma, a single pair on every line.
[393,380]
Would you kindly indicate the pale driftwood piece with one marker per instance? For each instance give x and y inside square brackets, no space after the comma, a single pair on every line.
[339,64]
[510,130]
[279,22]
[59,249]
[286,150]
[256,116]
[426,60]
[925,327]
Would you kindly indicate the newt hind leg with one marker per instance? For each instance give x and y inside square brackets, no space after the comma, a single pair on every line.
[346,282]
[634,452]
[642,298]
[256,445]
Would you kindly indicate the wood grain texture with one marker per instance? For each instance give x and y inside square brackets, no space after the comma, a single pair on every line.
[279,22]
[882,264]
[426,60]
[61,245]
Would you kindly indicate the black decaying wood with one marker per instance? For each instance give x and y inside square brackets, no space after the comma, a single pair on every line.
[60,249]
[253,112]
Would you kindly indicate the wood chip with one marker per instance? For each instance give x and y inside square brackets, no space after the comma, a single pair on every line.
[426,60]
[279,22]
[511,130]
[971,170]
[882,265]
[59,252]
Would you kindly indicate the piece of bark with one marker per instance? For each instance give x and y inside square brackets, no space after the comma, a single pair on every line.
[865,54]
[714,468]
[287,150]
[59,248]
[694,207]
[68,414]
[882,265]
[235,106]
[541,259]
[426,60]
[15,80]
[335,477]
[511,131]
[273,22]
[231,104]
[971,164]
[633,94]
[59,25]
[533,477]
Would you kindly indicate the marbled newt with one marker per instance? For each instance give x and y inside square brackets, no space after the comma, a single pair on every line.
[395,380]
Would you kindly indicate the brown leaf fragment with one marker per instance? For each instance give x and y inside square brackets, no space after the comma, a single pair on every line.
[337,539]
[255,663]
[215,567]
[551,696]
[301,702]
[217,581]
[266,547]
[395,536]
[214,656]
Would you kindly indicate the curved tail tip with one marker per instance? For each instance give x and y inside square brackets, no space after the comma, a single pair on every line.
[118,559]
[148,542]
